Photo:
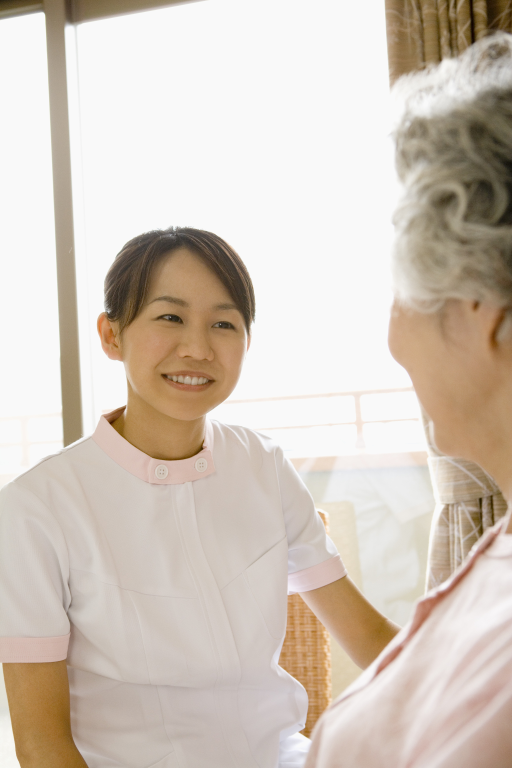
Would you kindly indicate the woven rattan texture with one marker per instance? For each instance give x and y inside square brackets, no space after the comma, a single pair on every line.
[306,654]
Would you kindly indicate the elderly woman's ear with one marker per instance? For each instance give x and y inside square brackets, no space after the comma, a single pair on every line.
[503,330]
[477,325]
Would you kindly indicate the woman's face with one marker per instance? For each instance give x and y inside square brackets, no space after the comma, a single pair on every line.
[450,358]
[183,353]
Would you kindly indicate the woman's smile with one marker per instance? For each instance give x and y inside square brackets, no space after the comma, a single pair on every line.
[188,381]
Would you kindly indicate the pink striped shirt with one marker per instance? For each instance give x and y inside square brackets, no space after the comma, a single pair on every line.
[440,695]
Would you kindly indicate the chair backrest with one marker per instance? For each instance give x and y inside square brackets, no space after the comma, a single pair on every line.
[306,653]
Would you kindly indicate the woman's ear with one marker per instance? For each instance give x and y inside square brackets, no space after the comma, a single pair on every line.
[109,336]
[249,339]
[503,330]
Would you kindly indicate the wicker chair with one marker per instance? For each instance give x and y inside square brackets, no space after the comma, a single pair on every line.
[306,653]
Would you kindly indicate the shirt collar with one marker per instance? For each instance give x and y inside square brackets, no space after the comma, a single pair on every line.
[154,471]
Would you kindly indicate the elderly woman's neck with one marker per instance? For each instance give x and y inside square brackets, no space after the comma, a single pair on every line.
[493,450]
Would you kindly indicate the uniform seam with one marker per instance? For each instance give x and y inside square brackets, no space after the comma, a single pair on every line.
[242,572]
[134,591]
[142,640]
[213,639]
[174,752]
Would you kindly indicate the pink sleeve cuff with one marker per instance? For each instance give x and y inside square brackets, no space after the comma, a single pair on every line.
[23,650]
[317,576]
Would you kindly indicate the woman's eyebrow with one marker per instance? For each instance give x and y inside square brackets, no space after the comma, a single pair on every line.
[182,303]
[170,300]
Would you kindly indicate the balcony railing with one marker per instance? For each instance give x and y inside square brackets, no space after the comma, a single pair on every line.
[351,423]
[24,440]
[338,424]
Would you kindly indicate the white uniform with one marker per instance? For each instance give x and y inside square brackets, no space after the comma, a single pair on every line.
[163,584]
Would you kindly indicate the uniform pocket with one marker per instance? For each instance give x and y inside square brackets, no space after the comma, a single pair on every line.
[136,637]
[106,636]
[176,640]
[267,579]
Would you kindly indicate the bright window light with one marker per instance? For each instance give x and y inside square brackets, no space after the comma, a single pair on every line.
[30,398]
[266,123]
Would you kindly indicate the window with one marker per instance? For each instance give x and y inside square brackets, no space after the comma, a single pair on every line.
[30,392]
[30,397]
[240,118]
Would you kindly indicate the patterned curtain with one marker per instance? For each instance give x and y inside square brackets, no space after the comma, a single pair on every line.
[422,32]
[468,501]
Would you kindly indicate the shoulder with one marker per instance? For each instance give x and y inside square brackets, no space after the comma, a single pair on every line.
[227,435]
[59,465]
[253,451]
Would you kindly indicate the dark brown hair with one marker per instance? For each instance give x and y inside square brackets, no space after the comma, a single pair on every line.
[127,281]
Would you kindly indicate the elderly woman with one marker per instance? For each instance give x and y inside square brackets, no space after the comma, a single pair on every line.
[440,695]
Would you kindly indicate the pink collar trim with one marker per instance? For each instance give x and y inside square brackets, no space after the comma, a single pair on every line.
[154,471]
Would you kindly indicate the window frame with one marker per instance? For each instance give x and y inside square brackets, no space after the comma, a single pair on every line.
[62,18]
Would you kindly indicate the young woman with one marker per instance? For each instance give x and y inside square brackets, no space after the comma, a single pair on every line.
[144,570]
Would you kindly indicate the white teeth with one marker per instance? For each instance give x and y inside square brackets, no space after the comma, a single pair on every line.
[195,381]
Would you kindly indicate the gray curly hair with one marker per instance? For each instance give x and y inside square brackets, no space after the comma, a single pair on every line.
[453,226]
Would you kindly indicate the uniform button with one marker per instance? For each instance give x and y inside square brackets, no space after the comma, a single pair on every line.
[201,465]
[161,471]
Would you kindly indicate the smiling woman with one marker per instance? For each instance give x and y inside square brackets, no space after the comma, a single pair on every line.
[157,554]
[199,351]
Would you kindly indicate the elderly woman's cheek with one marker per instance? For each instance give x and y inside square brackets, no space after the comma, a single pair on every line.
[397,336]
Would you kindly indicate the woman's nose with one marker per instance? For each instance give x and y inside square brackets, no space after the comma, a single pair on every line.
[195,343]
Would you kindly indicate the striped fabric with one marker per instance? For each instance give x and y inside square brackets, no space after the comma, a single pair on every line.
[422,32]
[468,502]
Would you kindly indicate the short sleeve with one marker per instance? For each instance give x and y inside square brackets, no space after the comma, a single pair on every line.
[313,560]
[34,576]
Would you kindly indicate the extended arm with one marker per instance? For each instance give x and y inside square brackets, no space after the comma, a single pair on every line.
[38,696]
[357,626]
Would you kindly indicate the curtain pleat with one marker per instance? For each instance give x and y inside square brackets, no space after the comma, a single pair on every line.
[445,37]
[430,19]
[500,14]
[405,37]
[423,32]
[456,528]
[480,23]
[468,501]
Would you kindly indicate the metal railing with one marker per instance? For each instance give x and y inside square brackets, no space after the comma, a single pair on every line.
[358,419]
[26,442]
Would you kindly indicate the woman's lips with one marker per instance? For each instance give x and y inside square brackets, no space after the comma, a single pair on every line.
[188,382]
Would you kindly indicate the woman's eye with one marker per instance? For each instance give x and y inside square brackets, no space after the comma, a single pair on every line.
[171,318]
[223,324]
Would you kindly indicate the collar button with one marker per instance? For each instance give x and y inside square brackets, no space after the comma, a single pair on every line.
[161,472]
[201,465]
